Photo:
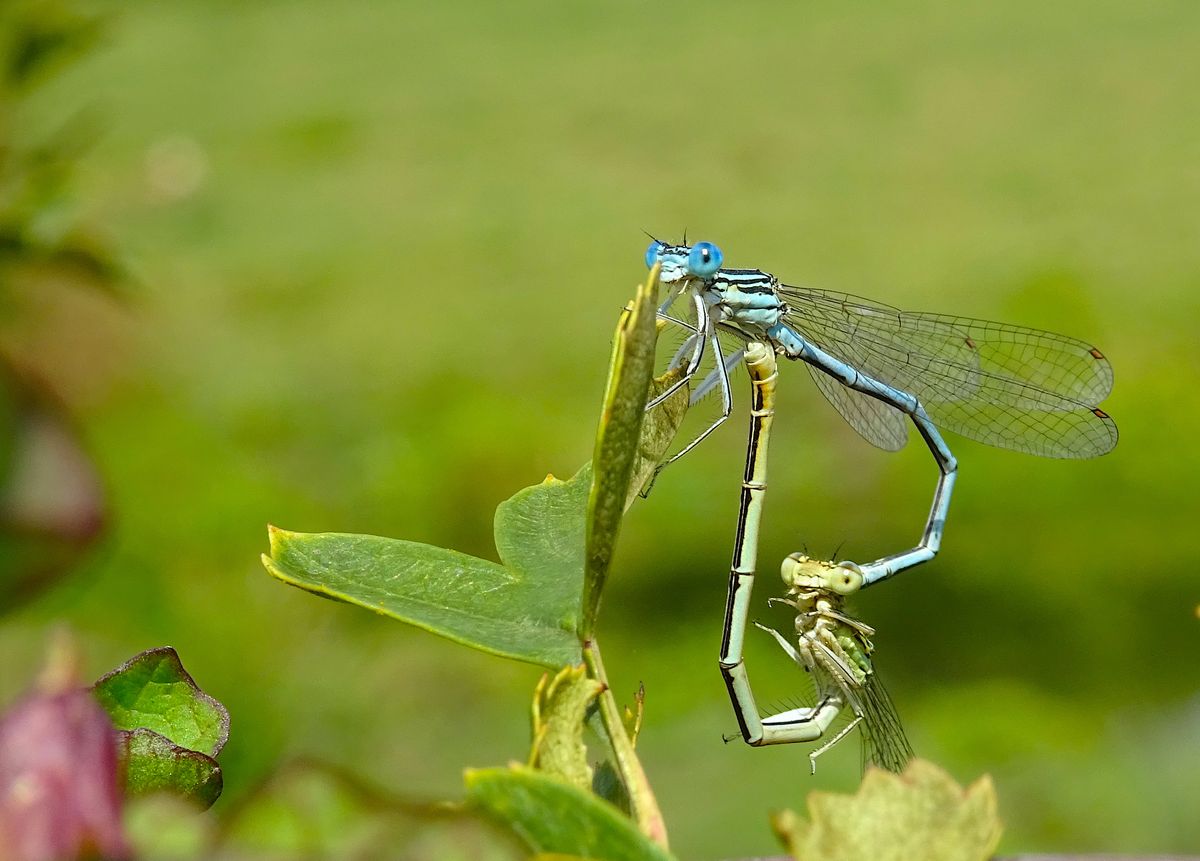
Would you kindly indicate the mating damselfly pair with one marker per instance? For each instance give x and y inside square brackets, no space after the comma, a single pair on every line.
[1008,386]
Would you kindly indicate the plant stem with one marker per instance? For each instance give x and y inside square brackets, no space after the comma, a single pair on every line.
[641,798]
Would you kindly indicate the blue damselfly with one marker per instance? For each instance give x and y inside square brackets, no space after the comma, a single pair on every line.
[1008,386]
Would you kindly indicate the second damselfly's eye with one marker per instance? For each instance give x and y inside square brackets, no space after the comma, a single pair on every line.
[847,578]
[704,259]
[652,252]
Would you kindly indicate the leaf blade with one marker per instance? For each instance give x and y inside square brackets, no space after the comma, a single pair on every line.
[618,438]
[154,691]
[554,817]
[153,764]
[920,813]
[540,533]
[471,601]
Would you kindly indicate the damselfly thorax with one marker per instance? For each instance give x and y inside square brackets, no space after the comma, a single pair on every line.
[747,299]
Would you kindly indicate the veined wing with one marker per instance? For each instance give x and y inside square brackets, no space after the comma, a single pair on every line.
[883,740]
[878,423]
[1008,386]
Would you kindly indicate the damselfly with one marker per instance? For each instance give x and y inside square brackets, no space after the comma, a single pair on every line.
[835,648]
[1008,386]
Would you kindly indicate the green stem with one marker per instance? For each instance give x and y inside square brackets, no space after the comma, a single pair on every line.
[641,799]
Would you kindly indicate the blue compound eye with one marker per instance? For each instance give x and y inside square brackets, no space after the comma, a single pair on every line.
[704,259]
[652,252]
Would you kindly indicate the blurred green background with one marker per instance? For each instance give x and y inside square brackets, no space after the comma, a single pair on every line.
[379,250]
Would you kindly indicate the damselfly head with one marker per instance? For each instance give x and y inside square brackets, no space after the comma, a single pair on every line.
[673,260]
[680,262]
[801,572]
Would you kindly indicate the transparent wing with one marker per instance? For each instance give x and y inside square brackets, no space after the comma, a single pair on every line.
[883,740]
[1008,386]
[878,423]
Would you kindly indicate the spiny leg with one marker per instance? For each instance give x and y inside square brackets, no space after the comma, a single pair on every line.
[722,372]
[713,379]
[704,326]
[783,643]
[686,347]
[842,733]
[719,375]
[694,331]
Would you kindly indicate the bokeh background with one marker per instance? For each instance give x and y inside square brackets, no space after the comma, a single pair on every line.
[375,255]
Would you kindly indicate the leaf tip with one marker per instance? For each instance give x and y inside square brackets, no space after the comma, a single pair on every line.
[473,777]
[277,538]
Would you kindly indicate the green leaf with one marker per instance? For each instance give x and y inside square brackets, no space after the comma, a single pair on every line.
[559,709]
[169,729]
[618,439]
[526,609]
[551,816]
[154,691]
[539,534]
[529,607]
[921,813]
[153,764]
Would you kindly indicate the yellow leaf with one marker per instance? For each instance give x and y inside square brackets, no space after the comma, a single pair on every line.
[920,813]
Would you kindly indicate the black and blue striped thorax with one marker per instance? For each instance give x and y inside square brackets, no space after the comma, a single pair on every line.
[744,281]
[748,298]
